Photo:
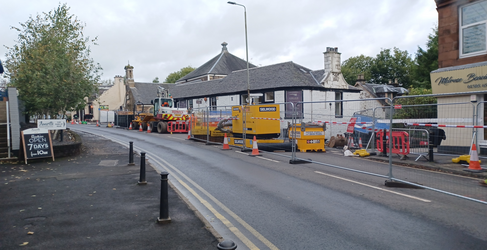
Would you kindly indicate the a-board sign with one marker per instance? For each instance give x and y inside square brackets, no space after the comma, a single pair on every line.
[37,143]
[52,124]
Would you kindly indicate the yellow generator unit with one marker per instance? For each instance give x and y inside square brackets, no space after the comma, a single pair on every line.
[261,121]
[309,137]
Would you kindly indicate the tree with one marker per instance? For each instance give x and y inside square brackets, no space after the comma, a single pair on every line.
[426,61]
[173,77]
[387,66]
[354,66]
[50,65]
[417,107]
[156,80]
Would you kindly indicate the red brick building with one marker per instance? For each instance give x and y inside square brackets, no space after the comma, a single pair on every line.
[462,49]
[461,23]
[462,68]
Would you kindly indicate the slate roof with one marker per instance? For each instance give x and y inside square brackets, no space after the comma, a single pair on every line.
[145,92]
[287,75]
[222,64]
[383,88]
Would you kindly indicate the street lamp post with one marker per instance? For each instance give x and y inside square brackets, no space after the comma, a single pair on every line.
[246,49]
[244,132]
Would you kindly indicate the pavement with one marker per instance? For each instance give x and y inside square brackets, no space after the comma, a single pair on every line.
[93,201]
[441,162]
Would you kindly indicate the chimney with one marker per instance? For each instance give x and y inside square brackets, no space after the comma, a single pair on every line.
[332,60]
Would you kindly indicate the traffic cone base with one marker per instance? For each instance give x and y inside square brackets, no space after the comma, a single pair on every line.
[225,143]
[474,165]
[255,149]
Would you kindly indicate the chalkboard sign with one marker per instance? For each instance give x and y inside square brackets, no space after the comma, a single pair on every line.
[37,144]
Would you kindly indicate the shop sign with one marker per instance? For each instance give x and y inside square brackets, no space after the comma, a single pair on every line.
[462,80]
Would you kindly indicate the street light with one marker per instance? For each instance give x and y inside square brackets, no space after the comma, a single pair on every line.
[246,48]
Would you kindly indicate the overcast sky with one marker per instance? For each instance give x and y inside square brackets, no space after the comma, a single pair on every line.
[161,37]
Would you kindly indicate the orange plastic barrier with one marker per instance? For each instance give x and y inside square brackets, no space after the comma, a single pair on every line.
[400,142]
[177,126]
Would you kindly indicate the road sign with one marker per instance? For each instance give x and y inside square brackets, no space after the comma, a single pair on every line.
[52,124]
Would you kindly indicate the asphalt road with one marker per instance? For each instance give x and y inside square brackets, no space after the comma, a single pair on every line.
[267,203]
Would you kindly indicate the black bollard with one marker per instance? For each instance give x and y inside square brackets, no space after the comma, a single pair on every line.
[142,169]
[227,245]
[164,204]
[131,154]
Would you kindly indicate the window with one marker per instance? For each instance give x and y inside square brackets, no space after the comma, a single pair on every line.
[269,97]
[294,97]
[182,104]
[473,35]
[190,104]
[338,105]
[244,99]
[213,103]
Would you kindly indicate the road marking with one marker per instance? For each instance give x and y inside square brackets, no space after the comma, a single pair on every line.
[367,185]
[225,221]
[267,159]
[260,157]
[222,206]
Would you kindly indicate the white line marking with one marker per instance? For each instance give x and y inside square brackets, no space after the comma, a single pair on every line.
[267,159]
[363,184]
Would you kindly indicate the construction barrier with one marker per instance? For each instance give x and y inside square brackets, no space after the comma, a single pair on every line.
[400,142]
[177,126]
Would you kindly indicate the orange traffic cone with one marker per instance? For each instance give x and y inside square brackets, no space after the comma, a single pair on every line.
[189,133]
[72,122]
[360,142]
[140,128]
[97,124]
[148,128]
[474,165]
[225,143]
[255,149]
[130,127]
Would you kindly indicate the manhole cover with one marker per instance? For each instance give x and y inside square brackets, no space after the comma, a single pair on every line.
[108,163]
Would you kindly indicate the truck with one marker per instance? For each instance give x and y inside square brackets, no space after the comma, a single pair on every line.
[161,114]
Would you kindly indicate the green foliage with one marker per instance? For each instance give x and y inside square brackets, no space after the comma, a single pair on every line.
[426,61]
[391,64]
[156,80]
[354,66]
[416,107]
[50,64]
[173,77]
[387,66]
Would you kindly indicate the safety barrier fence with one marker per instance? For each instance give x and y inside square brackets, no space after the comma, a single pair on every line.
[418,130]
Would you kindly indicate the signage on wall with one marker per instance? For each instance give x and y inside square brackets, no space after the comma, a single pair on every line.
[58,124]
[462,80]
